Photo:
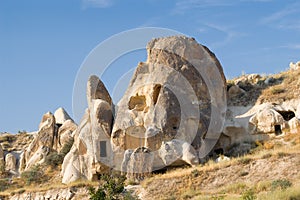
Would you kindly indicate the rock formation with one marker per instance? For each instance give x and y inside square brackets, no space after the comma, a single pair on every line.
[61,116]
[165,115]
[11,163]
[170,97]
[295,66]
[91,152]
[52,136]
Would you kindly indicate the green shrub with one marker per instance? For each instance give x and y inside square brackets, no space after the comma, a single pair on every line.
[282,184]
[54,159]
[34,175]
[249,195]
[112,188]
[4,184]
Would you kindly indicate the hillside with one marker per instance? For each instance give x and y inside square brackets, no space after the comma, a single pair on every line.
[270,171]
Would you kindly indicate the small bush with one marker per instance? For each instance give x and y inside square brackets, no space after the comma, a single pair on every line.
[4,184]
[54,159]
[282,184]
[111,189]
[236,188]
[249,195]
[34,175]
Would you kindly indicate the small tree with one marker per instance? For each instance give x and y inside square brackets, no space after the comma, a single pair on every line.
[111,189]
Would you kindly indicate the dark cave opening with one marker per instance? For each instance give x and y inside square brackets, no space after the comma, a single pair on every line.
[278,130]
[287,115]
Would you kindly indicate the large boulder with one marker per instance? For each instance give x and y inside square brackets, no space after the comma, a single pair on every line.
[268,121]
[173,95]
[91,154]
[179,151]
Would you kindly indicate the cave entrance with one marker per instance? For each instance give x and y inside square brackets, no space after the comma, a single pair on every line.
[278,130]
[287,115]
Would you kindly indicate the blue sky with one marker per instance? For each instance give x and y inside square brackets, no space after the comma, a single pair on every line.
[43,43]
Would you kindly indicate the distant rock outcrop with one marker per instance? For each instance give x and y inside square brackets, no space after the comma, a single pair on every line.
[295,66]
[51,136]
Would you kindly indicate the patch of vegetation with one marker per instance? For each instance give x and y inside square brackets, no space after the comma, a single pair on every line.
[112,188]
[195,173]
[244,160]
[282,154]
[236,188]
[282,184]
[249,195]
[54,159]
[4,184]
[190,193]
[34,175]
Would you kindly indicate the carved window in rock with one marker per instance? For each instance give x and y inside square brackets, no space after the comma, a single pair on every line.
[103,151]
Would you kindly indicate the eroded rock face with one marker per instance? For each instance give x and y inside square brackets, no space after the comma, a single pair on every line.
[65,134]
[170,97]
[138,163]
[178,150]
[267,120]
[164,116]
[91,151]
[42,143]
[51,136]
[10,163]
[61,116]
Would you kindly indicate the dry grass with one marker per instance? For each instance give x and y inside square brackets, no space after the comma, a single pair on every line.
[247,175]
[287,90]
[286,86]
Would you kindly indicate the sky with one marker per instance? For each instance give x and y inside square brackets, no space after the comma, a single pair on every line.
[44,43]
